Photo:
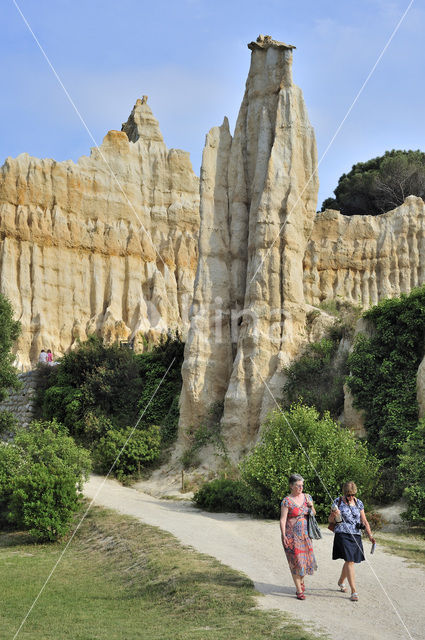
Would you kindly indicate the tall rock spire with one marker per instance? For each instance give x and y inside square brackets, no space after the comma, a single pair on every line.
[258,202]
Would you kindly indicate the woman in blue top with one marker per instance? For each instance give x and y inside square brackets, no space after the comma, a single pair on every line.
[349,517]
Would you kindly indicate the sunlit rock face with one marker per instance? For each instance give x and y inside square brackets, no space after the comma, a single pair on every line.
[364,259]
[106,245]
[258,202]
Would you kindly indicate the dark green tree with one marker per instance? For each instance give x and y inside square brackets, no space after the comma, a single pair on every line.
[9,331]
[383,368]
[380,184]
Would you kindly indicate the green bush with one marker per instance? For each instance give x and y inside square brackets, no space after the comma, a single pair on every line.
[325,454]
[382,379]
[235,496]
[143,447]
[164,408]
[9,331]
[8,423]
[98,387]
[94,379]
[10,461]
[41,476]
[209,432]
[317,377]
[412,473]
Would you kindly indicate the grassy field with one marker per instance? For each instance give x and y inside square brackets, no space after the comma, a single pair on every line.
[123,580]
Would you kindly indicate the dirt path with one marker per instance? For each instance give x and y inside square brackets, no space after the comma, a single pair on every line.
[253,546]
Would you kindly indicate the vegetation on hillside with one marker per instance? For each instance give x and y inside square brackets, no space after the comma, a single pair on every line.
[296,439]
[382,379]
[103,394]
[9,332]
[380,184]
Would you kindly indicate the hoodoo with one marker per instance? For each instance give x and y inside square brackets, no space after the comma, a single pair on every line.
[258,203]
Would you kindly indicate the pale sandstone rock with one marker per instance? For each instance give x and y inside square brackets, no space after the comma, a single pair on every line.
[353,418]
[259,194]
[108,244]
[363,259]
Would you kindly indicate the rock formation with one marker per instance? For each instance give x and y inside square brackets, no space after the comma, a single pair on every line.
[258,202]
[364,259]
[266,260]
[108,244]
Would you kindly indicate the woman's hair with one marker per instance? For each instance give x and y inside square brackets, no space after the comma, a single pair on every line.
[295,477]
[349,487]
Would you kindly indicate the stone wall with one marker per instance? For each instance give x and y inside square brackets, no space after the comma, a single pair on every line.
[21,402]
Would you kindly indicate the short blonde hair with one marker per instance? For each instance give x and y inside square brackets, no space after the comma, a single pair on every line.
[349,487]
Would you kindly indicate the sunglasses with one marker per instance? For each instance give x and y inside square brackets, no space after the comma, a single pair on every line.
[350,495]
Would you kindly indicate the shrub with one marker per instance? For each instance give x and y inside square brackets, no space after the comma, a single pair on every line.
[317,377]
[143,447]
[9,331]
[164,409]
[93,379]
[207,433]
[45,470]
[10,460]
[382,379]
[236,496]
[316,447]
[8,423]
[412,474]
[98,387]
[375,519]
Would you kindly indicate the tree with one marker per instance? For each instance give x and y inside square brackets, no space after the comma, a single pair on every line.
[380,184]
[412,474]
[41,478]
[9,331]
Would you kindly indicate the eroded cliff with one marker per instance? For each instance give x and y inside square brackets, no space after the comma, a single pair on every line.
[107,244]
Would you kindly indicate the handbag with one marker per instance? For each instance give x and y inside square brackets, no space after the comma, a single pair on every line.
[312,527]
[331,525]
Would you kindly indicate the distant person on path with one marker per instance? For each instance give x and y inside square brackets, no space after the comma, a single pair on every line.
[348,541]
[42,357]
[295,539]
[49,357]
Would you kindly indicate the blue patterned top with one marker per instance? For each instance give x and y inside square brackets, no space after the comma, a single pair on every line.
[350,516]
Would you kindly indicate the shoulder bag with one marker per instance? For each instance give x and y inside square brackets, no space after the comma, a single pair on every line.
[312,527]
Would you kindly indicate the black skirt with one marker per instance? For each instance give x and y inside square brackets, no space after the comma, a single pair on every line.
[349,547]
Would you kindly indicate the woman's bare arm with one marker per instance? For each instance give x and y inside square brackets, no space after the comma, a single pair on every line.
[367,525]
[283,518]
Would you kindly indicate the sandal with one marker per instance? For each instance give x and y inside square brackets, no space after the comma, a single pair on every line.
[342,587]
[302,587]
[354,596]
[300,595]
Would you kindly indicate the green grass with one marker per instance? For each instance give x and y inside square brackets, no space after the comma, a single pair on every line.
[124,580]
[409,547]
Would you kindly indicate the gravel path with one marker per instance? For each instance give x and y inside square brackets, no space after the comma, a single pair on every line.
[391,605]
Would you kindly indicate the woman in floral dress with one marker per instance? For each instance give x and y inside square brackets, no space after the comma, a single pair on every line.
[295,538]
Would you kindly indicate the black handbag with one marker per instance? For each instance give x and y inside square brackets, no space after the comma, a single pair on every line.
[312,527]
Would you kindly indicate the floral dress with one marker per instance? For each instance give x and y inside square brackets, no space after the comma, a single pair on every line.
[299,551]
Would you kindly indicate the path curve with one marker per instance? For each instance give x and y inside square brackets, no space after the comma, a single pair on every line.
[253,547]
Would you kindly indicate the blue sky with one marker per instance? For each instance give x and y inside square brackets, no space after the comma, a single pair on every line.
[190,58]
